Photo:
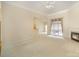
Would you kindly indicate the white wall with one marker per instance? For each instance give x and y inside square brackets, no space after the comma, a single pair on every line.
[74,18]
[17,27]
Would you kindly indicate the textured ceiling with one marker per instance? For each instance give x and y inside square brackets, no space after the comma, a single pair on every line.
[39,6]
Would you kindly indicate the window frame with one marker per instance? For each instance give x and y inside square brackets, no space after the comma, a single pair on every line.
[57,19]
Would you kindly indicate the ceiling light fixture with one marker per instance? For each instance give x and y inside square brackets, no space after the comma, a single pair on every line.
[50,4]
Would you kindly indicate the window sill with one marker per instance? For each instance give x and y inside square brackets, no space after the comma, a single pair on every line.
[45,33]
[60,37]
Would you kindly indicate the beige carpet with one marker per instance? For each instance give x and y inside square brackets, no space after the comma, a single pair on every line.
[48,47]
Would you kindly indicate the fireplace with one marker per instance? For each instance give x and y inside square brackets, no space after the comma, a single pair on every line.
[75,36]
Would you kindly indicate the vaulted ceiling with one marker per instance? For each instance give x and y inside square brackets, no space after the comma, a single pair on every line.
[40,6]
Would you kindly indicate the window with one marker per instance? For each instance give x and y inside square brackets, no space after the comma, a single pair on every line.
[56,27]
[43,28]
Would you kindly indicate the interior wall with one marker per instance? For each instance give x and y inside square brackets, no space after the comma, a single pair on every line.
[70,20]
[0,27]
[74,18]
[17,27]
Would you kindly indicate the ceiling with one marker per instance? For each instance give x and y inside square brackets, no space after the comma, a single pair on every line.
[40,6]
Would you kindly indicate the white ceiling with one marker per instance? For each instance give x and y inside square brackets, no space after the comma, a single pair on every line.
[39,6]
